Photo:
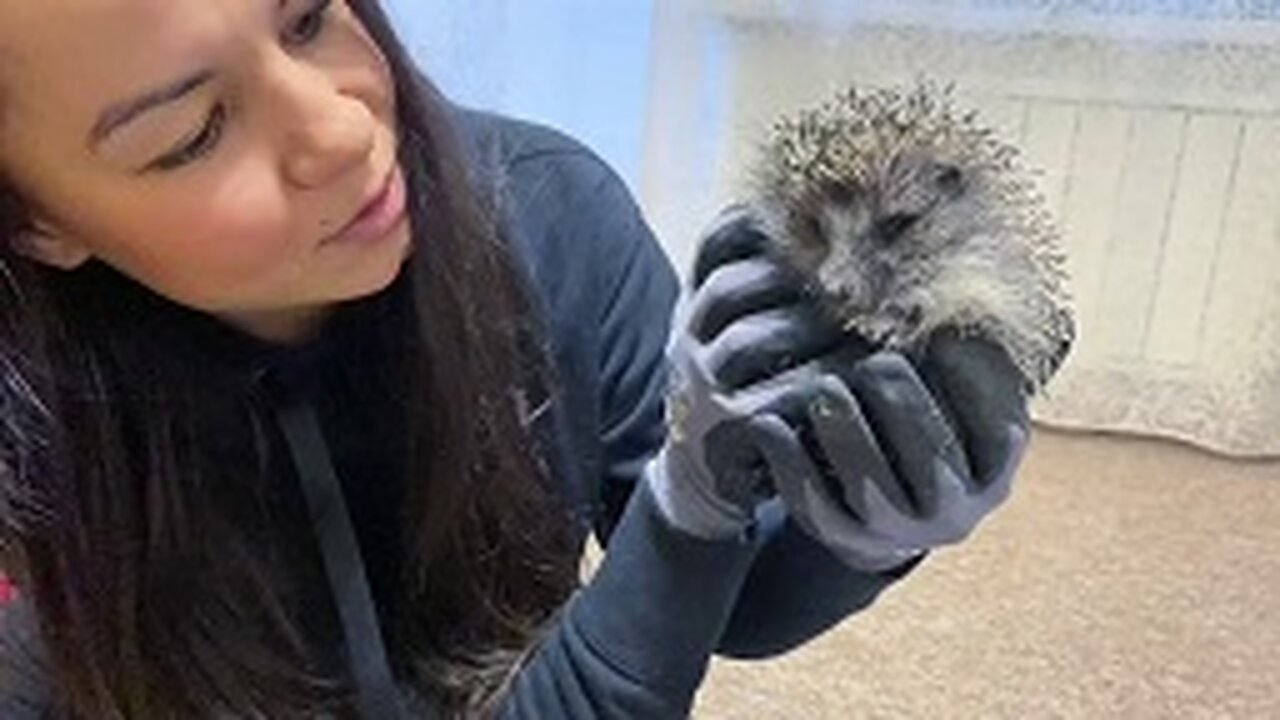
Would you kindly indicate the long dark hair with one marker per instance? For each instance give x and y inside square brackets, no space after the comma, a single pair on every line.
[150,559]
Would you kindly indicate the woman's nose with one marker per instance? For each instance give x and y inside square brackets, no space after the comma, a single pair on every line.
[325,133]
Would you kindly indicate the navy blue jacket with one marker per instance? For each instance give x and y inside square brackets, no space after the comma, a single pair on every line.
[635,641]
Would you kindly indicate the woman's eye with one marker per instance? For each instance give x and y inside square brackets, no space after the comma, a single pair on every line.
[309,26]
[197,147]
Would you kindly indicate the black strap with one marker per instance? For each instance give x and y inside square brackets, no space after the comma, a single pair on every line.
[378,696]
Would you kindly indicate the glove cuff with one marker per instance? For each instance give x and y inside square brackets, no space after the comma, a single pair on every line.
[686,502]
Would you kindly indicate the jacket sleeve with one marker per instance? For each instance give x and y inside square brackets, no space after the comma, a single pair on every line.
[635,642]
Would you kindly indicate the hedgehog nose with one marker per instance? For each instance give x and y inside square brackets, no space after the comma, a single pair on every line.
[853,285]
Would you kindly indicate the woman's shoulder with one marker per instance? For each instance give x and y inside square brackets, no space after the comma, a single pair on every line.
[500,142]
[563,207]
[540,178]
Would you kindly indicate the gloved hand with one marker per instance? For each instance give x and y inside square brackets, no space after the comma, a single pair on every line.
[904,461]
[883,462]
[744,320]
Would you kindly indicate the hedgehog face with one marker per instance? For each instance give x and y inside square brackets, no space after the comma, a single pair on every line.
[868,244]
[929,206]
[906,215]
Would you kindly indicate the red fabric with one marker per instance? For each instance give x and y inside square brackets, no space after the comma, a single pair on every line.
[8,592]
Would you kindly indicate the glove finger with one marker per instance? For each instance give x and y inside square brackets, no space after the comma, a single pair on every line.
[807,500]
[999,481]
[788,464]
[878,495]
[956,515]
[738,470]
[984,394]
[736,236]
[913,433]
[741,288]
[849,445]
[767,343]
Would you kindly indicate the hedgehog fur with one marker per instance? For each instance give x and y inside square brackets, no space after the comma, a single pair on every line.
[908,215]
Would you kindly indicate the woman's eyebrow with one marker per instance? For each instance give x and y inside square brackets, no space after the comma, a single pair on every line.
[125,112]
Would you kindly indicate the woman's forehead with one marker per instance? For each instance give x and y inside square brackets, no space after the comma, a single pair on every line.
[71,56]
[39,22]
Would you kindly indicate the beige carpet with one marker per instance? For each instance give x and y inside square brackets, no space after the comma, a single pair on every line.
[1124,579]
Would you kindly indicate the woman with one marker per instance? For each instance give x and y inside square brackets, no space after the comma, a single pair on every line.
[313,386]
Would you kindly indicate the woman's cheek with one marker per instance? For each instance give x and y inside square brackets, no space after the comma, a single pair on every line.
[218,256]
[246,225]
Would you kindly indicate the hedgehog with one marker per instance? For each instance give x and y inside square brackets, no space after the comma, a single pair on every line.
[906,215]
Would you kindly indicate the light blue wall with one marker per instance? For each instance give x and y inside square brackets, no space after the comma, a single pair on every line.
[579,65]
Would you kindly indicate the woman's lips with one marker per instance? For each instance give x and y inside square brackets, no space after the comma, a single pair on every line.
[379,215]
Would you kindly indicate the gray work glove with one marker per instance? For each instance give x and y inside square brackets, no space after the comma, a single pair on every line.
[891,462]
[877,460]
[743,320]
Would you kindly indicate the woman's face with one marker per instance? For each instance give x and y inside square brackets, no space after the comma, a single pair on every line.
[210,149]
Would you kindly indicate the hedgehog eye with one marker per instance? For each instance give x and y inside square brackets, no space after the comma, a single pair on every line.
[890,228]
[817,232]
[839,192]
[950,180]
[808,228]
